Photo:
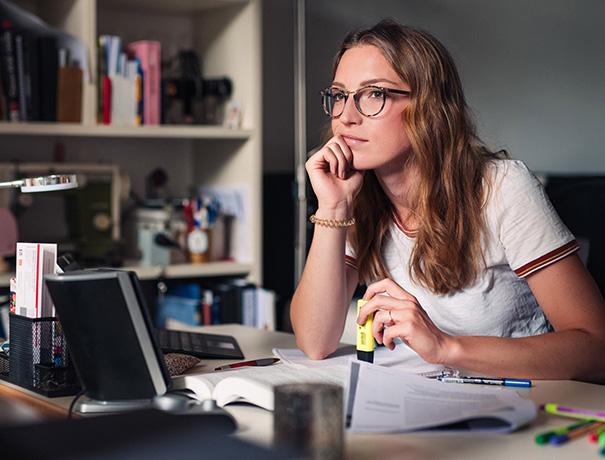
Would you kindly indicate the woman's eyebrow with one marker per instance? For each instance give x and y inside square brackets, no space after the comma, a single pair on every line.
[368,82]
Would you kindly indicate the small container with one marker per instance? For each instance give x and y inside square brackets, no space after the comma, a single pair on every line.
[38,357]
[308,420]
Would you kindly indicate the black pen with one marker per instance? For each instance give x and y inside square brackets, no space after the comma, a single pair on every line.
[254,362]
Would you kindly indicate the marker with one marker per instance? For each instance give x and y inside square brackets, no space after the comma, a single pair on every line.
[365,339]
[522,383]
[573,412]
[594,437]
[545,437]
[563,438]
[253,362]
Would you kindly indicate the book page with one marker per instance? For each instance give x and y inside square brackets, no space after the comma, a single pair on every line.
[403,358]
[387,400]
[255,384]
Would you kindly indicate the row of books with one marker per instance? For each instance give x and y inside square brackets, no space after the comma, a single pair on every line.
[40,76]
[229,302]
[129,82]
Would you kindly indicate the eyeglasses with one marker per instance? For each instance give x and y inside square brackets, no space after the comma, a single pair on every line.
[369,100]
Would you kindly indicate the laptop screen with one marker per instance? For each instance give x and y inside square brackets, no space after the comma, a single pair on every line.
[108,330]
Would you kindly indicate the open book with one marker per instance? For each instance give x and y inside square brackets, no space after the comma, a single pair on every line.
[381,399]
[253,385]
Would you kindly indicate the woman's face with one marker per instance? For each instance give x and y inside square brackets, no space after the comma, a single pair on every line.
[377,141]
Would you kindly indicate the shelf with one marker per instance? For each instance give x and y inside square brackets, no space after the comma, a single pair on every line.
[156,132]
[174,6]
[174,271]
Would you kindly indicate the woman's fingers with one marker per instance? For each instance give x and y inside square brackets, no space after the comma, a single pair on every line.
[341,167]
[381,320]
[383,302]
[390,287]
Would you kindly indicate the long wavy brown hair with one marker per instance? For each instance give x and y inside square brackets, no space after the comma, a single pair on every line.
[450,160]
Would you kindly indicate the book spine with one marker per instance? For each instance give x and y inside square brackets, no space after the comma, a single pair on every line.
[9,71]
[106,100]
[149,55]
[48,53]
[21,84]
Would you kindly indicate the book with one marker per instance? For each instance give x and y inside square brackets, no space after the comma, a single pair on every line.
[382,399]
[48,52]
[8,70]
[148,53]
[253,385]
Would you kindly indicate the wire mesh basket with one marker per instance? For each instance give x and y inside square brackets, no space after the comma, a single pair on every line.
[38,358]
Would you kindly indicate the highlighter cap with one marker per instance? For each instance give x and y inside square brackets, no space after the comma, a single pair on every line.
[367,356]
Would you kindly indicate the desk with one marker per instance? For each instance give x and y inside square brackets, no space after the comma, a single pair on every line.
[256,424]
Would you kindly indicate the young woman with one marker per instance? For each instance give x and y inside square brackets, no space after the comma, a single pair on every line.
[465,260]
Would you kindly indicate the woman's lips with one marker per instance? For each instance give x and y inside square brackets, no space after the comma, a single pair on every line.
[352,140]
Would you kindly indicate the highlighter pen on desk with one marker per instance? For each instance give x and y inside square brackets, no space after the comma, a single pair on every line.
[365,339]
[253,362]
[520,383]
[574,412]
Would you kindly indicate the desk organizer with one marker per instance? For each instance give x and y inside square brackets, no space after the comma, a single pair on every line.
[38,359]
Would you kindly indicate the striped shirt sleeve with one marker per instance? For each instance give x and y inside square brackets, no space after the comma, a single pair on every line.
[350,259]
[530,229]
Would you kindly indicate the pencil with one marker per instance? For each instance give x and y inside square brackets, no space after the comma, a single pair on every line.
[574,434]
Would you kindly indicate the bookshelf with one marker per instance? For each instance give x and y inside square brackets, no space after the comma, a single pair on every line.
[226,35]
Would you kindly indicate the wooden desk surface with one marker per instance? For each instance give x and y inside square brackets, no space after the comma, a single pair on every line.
[256,424]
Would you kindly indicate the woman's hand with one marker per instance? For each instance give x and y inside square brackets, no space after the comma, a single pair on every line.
[332,176]
[397,313]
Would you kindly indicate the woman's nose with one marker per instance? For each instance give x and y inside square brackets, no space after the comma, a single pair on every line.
[350,114]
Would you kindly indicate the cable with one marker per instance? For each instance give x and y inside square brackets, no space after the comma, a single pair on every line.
[73,403]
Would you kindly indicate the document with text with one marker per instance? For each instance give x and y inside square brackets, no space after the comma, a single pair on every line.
[382,399]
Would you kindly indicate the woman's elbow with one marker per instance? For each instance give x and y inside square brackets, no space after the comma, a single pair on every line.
[314,351]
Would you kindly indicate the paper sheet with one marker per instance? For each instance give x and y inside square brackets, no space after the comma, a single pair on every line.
[383,399]
[402,358]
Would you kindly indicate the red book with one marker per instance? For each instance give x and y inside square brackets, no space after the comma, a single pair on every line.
[106,100]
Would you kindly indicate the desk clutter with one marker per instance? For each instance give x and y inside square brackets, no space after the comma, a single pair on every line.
[589,424]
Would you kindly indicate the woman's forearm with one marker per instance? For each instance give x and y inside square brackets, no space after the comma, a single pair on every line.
[568,354]
[318,308]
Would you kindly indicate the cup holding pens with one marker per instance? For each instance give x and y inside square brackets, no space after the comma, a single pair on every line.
[308,420]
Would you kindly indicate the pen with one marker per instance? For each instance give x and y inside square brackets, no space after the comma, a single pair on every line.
[573,412]
[253,362]
[545,437]
[597,434]
[523,383]
[365,339]
[574,434]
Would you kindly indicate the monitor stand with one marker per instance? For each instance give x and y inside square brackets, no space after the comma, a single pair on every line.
[176,402]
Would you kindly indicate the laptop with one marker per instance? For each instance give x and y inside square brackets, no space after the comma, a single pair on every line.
[112,343]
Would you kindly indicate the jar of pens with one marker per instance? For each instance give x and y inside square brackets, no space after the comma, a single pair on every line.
[201,215]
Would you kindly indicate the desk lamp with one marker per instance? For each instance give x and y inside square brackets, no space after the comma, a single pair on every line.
[51,183]
[8,225]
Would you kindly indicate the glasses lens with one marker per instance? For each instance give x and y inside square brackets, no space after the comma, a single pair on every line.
[370,101]
[333,102]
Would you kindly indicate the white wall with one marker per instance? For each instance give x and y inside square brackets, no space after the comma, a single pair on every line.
[533,72]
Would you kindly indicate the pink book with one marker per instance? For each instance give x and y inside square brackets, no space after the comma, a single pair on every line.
[149,54]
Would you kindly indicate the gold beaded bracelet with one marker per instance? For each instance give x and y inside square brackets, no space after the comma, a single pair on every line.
[332,223]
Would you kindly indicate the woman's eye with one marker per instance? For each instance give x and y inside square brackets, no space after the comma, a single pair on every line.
[338,96]
[376,94]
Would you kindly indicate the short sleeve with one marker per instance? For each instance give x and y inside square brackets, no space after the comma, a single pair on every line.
[350,258]
[529,228]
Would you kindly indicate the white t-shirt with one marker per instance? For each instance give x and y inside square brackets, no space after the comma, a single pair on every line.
[524,234]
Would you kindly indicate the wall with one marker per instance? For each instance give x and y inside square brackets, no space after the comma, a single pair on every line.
[533,72]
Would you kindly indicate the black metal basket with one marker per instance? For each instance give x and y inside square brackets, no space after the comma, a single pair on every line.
[38,357]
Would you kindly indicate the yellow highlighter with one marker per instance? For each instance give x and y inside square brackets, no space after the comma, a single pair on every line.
[365,339]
